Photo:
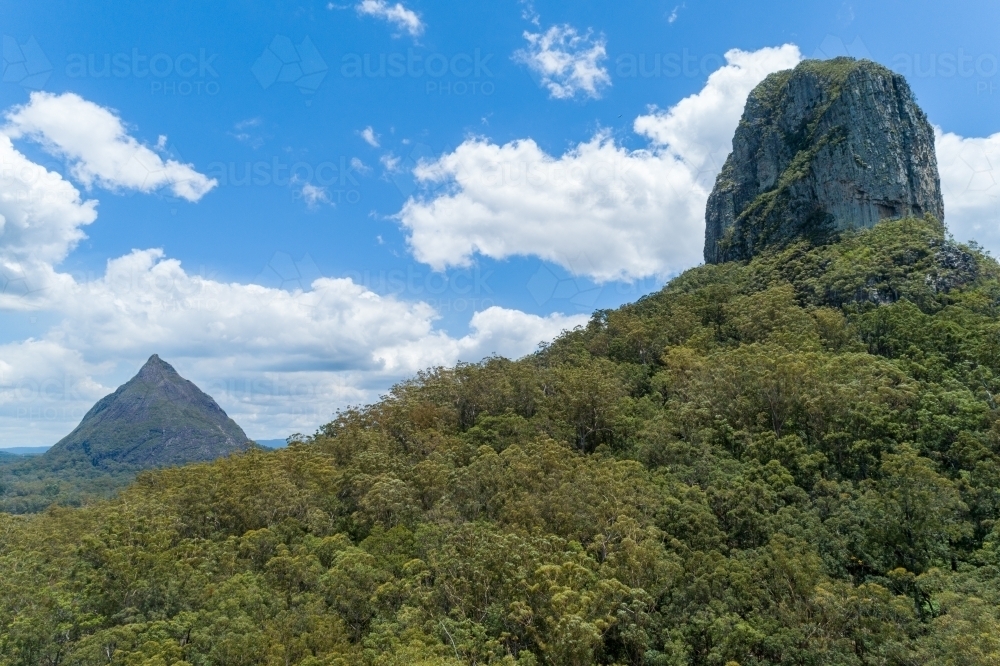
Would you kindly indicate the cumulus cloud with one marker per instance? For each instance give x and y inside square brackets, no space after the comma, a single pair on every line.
[699,129]
[567,63]
[98,148]
[145,298]
[397,14]
[599,209]
[970,183]
[513,333]
[278,358]
[41,214]
[495,330]
[281,358]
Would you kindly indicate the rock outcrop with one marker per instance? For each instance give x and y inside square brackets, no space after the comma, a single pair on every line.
[157,418]
[828,146]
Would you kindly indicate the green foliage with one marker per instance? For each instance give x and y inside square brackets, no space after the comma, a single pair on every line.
[791,461]
[30,484]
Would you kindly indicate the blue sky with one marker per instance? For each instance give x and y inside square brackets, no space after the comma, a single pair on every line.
[529,162]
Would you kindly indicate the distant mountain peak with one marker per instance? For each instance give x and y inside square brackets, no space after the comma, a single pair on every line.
[156,361]
[157,367]
[156,418]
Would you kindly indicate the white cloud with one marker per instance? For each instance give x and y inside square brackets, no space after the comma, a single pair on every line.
[397,14]
[513,333]
[98,148]
[360,166]
[390,162]
[369,136]
[243,132]
[145,299]
[970,184]
[699,129]
[566,62]
[314,195]
[528,13]
[290,355]
[40,213]
[599,210]
[495,330]
[278,358]
[45,387]
[282,359]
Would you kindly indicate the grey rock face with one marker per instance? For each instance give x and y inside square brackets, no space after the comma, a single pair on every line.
[156,418]
[828,146]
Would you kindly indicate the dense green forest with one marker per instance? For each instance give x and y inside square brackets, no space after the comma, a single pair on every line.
[794,460]
[31,483]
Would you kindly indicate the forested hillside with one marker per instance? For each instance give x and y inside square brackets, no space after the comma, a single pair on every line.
[794,460]
[29,484]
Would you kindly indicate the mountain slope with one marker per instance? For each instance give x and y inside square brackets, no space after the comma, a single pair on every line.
[156,418]
[794,460]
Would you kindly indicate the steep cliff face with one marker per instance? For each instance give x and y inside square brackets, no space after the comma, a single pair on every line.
[827,146]
[156,418]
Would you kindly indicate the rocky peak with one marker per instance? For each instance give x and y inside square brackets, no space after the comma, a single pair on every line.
[828,146]
[157,369]
[156,418]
